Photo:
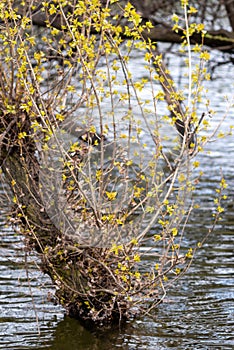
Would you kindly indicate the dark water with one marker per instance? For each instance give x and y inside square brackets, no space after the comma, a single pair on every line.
[198,312]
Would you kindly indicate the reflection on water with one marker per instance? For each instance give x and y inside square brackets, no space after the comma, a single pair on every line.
[21,302]
[198,312]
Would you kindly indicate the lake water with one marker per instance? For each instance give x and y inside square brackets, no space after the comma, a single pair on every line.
[198,312]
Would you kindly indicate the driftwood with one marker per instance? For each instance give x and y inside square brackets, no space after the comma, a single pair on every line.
[220,39]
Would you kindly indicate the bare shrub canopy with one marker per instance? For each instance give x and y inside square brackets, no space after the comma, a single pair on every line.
[99,175]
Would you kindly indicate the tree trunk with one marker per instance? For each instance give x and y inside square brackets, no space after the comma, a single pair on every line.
[85,286]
